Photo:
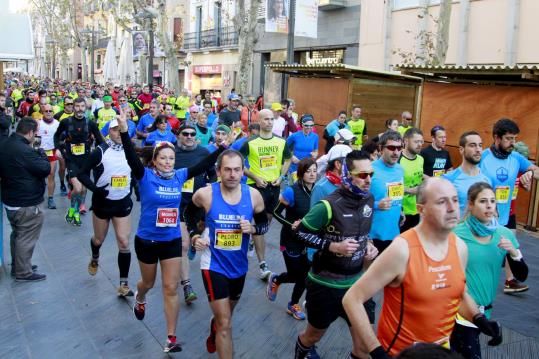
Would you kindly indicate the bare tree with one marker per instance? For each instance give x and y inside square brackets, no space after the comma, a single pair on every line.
[442,33]
[245,24]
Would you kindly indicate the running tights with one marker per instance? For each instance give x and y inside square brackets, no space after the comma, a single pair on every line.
[297,267]
[465,341]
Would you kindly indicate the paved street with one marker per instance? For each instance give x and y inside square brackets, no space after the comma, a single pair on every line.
[74,315]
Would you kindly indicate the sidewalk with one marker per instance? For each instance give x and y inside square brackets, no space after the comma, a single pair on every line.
[72,314]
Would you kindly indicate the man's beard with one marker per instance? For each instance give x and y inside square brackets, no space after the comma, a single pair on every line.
[471,160]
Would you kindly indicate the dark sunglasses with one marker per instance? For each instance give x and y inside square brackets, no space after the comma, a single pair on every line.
[308,126]
[393,148]
[67,104]
[188,134]
[47,111]
[362,175]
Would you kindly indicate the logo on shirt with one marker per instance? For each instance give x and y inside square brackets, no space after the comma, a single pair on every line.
[439,163]
[502,174]
[367,211]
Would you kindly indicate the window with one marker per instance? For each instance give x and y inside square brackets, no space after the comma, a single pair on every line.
[404,4]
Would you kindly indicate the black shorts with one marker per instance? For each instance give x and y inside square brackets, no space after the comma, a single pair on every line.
[324,305]
[220,287]
[150,252]
[105,208]
[270,195]
[512,223]
[381,245]
[74,165]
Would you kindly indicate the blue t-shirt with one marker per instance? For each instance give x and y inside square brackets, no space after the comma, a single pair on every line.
[237,145]
[144,122]
[301,146]
[462,183]
[131,129]
[321,189]
[387,182]
[160,205]
[157,136]
[211,119]
[503,174]
[333,127]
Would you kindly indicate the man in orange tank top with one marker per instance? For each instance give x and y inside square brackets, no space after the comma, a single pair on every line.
[422,273]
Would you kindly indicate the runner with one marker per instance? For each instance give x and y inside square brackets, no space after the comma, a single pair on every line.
[422,274]
[331,130]
[412,165]
[502,165]
[296,200]
[303,144]
[62,115]
[111,201]
[332,177]
[338,227]
[47,128]
[158,237]
[147,120]
[229,208]
[160,131]
[74,138]
[406,123]
[358,126]
[269,160]
[488,245]
[437,159]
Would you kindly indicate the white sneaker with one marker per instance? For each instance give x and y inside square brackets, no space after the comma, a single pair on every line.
[264,271]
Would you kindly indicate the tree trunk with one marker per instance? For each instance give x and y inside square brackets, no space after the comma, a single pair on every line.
[246,43]
[169,48]
[442,35]
[142,76]
[422,33]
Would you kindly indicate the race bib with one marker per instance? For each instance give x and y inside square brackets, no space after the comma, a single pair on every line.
[118,182]
[515,193]
[228,240]
[268,162]
[438,173]
[78,149]
[295,176]
[188,186]
[167,217]
[502,194]
[49,153]
[146,106]
[395,190]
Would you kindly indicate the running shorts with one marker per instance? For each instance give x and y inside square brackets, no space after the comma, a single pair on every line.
[219,286]
[150,252]
[105,208]
[270,195]
[51,155]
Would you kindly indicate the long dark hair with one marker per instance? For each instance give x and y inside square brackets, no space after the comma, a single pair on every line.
[159,119]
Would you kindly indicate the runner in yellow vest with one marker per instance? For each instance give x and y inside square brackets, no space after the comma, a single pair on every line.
[106,113]
[358,126]
[406,122]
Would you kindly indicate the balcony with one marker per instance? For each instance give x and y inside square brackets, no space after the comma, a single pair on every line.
[224,37]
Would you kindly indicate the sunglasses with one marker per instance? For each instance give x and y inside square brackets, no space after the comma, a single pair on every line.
[188,134]
[393,148]
[308,126]
[48,111]
[68,104]
[362,175]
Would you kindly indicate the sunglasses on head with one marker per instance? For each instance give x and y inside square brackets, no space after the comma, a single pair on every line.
[188,134]
[393,148]
[362,175]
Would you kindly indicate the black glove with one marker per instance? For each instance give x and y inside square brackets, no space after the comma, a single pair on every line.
[101,192]
[490,328]
[379,353]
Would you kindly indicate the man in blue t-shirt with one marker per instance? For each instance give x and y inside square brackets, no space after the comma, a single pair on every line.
[468,173]
[387,186]
[502,165]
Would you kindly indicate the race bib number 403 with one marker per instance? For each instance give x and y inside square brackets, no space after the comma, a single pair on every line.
[167,217]
[228,240]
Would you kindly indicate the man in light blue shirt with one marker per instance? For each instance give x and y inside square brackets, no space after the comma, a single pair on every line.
[468,173]
[387,186]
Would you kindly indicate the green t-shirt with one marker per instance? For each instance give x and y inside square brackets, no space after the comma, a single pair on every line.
[265,156]
[484,263]
[413,176]
[105,115]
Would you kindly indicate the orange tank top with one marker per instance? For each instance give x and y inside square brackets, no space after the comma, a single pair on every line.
[432,294]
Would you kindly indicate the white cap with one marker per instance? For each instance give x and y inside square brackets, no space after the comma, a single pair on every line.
[338,151]
[113,123]
[344,134]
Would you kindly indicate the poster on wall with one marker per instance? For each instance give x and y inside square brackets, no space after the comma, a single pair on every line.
[277,16]
[306,18]
[140,45]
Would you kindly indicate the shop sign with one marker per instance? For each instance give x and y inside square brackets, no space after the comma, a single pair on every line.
[317,58]
[207,69]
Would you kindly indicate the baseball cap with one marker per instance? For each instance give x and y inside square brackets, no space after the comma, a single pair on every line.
[344,134]
[223,128]
[107,98]
[338,151]
[113,123]
[276,106]
[234,97]
[186,125]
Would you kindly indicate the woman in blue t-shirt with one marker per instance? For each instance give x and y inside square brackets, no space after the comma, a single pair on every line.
[158,237]
[303,144]
[488,245]
[160,131]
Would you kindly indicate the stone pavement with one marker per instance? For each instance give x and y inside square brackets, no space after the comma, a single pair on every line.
[74,315]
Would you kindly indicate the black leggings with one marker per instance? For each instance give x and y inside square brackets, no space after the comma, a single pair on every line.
[465,341]
[297,267]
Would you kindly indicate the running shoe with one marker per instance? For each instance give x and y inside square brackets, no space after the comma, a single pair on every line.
[251,249]
[264,271]
[92,267]
[82,209]
[50,203]
[124,291]
[514,286]
[211,347]
[295,311]
[312,353]
[272,287]
[69,215]
[189,294]
[172,345]
[63,189]
[76,219]
[139,309]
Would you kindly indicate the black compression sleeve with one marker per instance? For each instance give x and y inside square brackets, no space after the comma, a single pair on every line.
[204,164]
[192,216]
[261,222]
[278,214]
[91,162]
[132,158]
[312,239]
[519,268]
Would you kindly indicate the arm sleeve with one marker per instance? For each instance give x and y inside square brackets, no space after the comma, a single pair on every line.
[278,214]
[193,215]
[132,159]
[312,223]
[286,153]
[84,174]
[204,164]
[58,133]
[519,268]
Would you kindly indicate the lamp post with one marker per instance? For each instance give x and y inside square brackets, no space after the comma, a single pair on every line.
[146,16]
[52,43]
[92,32]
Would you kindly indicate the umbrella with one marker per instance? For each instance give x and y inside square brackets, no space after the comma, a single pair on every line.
[126,68]
[110,68]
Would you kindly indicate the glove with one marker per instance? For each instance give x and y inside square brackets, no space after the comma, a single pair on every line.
[101,191]
[490,328]
[379,353]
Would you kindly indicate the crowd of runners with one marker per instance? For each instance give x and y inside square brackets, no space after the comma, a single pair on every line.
[369,212]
